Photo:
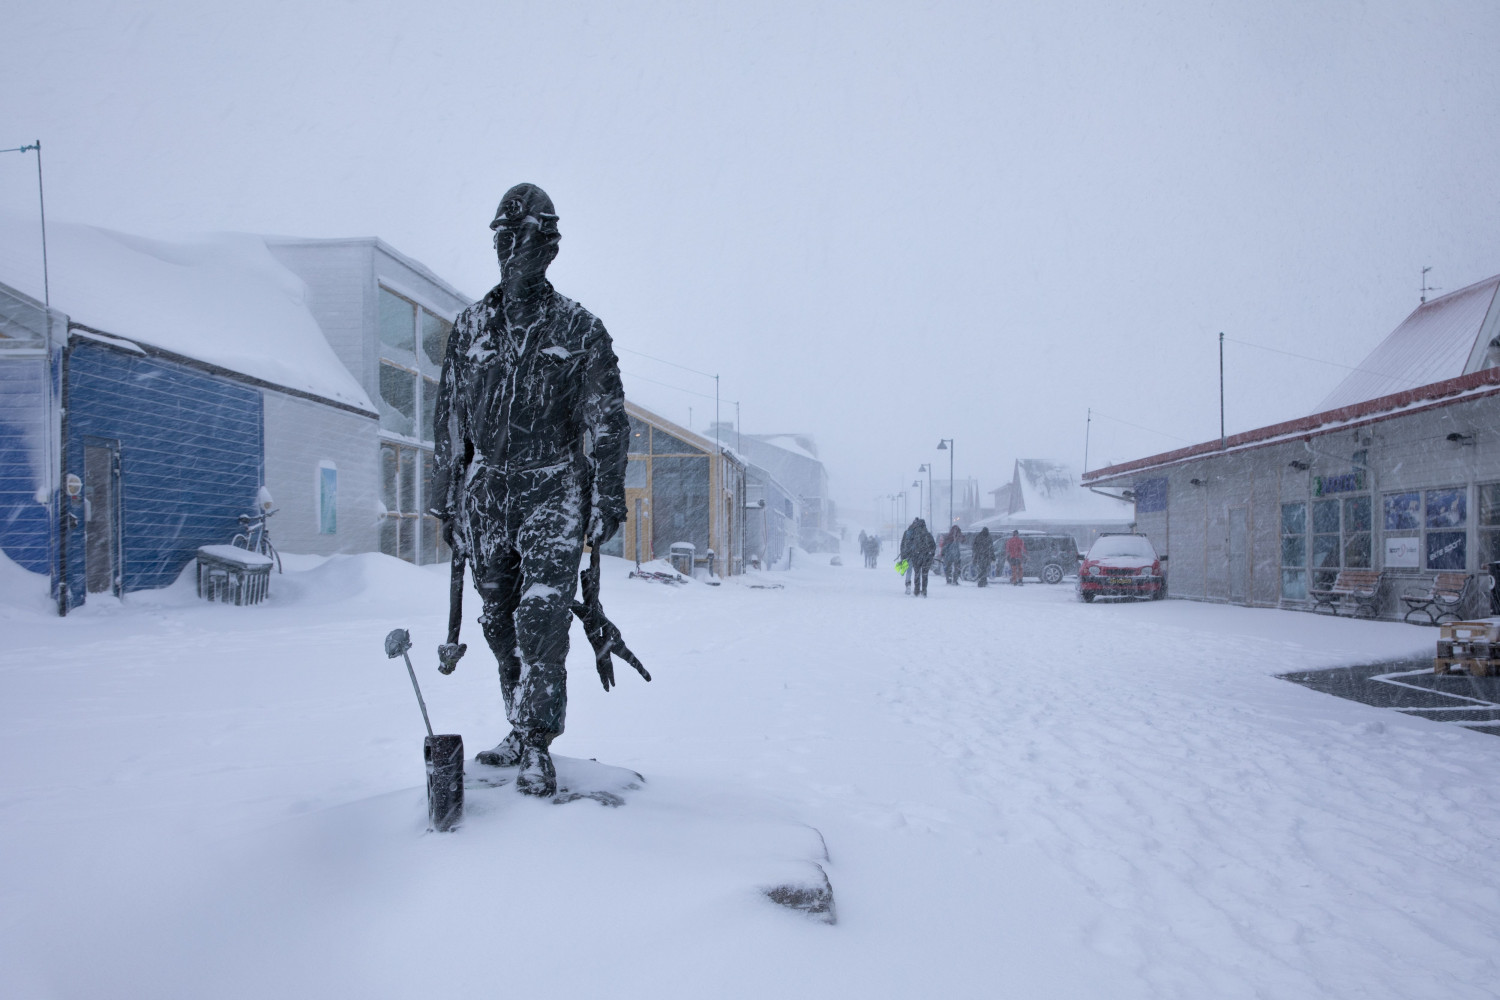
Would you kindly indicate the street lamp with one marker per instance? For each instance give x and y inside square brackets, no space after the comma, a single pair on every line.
[927,468]
[946,444]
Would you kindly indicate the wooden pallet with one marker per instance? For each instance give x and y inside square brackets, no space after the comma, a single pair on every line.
[1466,649]
[1473,665]
[1470,646]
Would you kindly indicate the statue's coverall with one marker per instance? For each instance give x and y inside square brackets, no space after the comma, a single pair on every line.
[531,441]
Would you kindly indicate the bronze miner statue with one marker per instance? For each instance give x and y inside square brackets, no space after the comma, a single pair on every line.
[530,465]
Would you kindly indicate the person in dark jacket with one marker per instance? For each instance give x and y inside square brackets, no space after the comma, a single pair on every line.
[953,555]
[529,464]
[918,548]
[983,555]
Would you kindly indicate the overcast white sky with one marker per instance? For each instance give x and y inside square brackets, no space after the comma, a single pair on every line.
[882,224]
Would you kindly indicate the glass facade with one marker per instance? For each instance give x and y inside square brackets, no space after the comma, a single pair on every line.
[413,341]
[1294,551]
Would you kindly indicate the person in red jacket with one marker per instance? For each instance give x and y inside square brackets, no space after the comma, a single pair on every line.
[1015,551]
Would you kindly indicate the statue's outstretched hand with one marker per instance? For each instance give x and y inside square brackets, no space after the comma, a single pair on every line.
[602,527]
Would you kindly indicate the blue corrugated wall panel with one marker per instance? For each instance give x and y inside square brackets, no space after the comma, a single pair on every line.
[191,456]
[24,523]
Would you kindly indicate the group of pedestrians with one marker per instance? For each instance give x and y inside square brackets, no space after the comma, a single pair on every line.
[919,549]
[869,547]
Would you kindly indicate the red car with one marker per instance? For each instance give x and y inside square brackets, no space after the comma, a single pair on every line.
[1122,566]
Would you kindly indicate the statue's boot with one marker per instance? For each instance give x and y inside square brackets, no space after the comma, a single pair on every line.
[537,775]
[506,753]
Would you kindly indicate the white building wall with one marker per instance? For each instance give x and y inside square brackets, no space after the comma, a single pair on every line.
[300,436]
[1404,452]
[340,298]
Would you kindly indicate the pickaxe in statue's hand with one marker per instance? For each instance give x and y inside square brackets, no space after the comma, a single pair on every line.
[603,634]
[450,652]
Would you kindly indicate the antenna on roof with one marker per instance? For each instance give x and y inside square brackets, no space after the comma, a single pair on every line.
[1425,286]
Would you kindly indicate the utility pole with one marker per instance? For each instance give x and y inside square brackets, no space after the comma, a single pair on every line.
[42,203]
[1221,391]
[1087,425]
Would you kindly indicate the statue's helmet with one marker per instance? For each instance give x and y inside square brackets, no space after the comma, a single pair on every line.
[526,205]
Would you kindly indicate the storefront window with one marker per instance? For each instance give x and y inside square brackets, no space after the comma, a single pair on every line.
[1325,546]
[1357,521]
[1446,509]
[1488,517]
[1430,529]
[1294,551]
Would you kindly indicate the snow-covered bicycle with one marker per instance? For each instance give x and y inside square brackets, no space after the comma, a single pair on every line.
[254,537]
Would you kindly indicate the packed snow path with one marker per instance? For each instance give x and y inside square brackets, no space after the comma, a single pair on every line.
[1021,795]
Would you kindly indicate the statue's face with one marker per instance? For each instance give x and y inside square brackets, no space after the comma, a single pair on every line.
[526,233]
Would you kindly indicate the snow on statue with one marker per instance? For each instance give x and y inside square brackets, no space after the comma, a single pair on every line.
[530,463]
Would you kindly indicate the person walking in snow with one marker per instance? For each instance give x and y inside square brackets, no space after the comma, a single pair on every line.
[1015,551]
[983,556]
[953,555]
[864,548]
[529,464]
[918,548]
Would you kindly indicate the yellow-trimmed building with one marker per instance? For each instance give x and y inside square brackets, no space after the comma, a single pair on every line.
[681,487]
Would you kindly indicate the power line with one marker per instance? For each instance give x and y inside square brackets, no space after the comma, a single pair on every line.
[1151,430]
[669,385]
[1322,361]
[664,361]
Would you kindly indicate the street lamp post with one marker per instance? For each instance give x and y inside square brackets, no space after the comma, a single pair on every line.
[918,484]
[927,468]
[946,444]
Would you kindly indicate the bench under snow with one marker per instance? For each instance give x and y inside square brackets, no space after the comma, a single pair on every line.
[233,575]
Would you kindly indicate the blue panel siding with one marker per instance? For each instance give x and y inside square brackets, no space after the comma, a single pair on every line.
[191,448]
[24,523]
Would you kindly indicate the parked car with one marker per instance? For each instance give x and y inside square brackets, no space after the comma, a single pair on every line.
[1048,557]
[1122,565]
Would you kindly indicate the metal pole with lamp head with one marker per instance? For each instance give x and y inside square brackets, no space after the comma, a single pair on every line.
[946,444]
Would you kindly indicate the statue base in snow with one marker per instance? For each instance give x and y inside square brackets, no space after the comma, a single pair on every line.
[576,779]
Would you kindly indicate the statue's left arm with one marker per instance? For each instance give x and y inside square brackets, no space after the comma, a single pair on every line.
[606,434]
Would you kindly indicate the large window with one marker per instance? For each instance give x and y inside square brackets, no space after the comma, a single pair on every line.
[407,531]
[1446,513]
[413,342]
[1427,529]
[1488,519]
[1340,537]
[1294,551]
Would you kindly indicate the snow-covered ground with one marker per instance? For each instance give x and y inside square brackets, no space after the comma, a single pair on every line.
[1021,796]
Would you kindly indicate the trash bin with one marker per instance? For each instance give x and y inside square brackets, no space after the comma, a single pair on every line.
[681,555]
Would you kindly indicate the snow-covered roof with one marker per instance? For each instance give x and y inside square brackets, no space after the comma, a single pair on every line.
[1440,340]
[787,442]
[221,299]
[1050,493]
[1485,382]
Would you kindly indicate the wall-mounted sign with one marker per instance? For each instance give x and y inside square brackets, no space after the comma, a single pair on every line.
[1150,496]
[74,485]
[1403,553]
[1348,482]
